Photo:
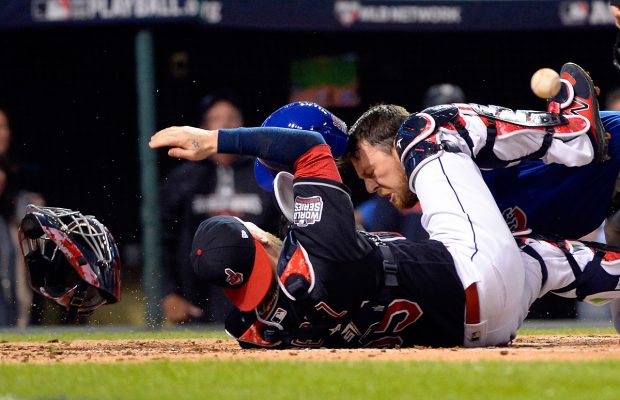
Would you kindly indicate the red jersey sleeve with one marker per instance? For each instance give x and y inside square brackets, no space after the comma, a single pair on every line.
[317,162]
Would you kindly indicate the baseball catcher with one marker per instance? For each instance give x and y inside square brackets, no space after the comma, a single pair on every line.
[533,194]
[72,259]
[330,285]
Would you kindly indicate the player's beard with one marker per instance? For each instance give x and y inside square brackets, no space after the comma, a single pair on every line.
[403,197]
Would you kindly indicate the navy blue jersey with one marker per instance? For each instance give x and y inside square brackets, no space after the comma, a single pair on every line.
[331,286]
[554,199]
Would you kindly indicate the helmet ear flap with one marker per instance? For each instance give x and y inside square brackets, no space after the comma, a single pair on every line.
[31,227]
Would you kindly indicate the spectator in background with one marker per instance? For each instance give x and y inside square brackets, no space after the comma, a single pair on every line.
[377,213]
[612,100]
[194,191]
[8,298]
[5,134]
[15,294]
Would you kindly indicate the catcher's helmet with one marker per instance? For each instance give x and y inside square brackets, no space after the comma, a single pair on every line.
[71,259]
[306,116]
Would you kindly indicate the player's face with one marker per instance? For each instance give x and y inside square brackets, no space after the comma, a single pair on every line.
[383,174]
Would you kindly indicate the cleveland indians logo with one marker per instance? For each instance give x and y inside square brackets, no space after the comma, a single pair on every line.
[515,218]
[233,278]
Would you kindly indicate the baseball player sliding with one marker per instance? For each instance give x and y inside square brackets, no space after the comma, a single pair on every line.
[330,285]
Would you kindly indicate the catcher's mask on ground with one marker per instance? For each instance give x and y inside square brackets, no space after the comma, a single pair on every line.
[71,259]
[305,116]
[225,254]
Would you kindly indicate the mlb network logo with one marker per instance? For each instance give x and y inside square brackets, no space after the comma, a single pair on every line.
[308,210]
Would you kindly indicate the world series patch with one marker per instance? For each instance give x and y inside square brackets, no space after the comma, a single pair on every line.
[308,210]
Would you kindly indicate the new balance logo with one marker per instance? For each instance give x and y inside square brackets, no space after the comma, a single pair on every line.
[576,110]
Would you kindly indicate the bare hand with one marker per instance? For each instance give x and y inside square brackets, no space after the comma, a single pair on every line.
[177,309]
[186,142]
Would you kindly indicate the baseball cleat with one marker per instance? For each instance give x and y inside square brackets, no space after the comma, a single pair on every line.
[577,96]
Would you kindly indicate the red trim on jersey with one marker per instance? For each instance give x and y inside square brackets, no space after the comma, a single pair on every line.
[449,127]
[463,107]
[472,305]
[433,138]
[575,126]
[611,257]
[252,335]
[317,162]
[332,313]
[487,122]
[298,264]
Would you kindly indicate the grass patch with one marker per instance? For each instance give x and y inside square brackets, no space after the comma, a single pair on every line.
[215,332]
[87,334]
[569,330]
[313,380]
[250,379]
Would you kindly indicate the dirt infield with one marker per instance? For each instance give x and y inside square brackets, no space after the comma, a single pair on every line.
[573,347]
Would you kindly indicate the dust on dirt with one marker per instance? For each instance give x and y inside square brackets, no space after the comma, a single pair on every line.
[525,348]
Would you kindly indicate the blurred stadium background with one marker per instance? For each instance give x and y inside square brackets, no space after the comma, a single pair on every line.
[84,79]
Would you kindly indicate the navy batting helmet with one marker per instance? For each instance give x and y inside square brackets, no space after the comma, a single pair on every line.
[305,116]
[71,259]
